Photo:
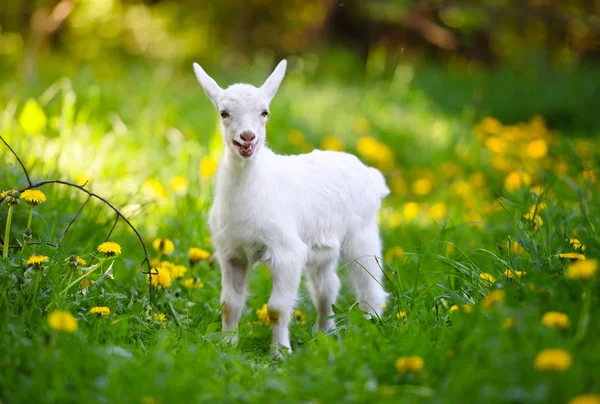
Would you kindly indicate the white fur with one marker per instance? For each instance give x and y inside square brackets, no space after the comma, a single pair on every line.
[295,213]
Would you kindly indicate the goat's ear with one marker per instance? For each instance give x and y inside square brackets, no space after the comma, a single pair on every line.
[211,88]
[272,84]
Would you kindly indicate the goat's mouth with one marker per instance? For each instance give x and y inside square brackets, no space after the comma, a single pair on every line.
[245,150]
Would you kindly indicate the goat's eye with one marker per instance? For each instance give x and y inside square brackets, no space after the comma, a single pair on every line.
[224,114]
[264,114]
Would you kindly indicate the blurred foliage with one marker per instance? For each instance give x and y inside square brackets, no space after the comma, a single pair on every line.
[482,31]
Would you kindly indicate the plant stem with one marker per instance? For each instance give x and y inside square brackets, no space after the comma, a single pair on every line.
[584,319]
[30,217]
[82,277]
[7,231]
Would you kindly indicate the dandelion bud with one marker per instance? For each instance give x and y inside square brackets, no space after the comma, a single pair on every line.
[11,198]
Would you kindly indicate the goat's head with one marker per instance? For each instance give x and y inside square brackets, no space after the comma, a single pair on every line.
[244,110]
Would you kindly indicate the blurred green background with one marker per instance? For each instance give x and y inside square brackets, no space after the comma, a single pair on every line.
[536,42]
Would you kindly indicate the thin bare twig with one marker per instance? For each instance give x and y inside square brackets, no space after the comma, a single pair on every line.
[35,243]
[20,162]
[73,220]
[112,228]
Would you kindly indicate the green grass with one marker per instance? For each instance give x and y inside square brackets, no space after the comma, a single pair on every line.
[120,124]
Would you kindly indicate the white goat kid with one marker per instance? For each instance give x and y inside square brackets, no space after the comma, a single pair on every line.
[295,213]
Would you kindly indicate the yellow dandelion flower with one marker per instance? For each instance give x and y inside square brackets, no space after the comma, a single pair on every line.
[393,253]
[467,308]
[60,320]
[80,261]
[37,260]
[401,314]
[572,256]
[166,266]
[534,218]
[487,278]
[422,186]
[412,364]
[101,311]
[162,279]
[490,125]
[109,248]
[163,245]
[583,269]
[478,179]
[411,210]
[332,143]
[33,197]
[536,149]
[197,254]
[496,145]
[555,319]
[557,360]
[179,184]
[516,180]
[585,399]
[178,271]
[438,210]
[589,176]
[514,274]
[384,306]
[495,296]
[159,317]
[154,189]
[296,138]
[300,317]
[514,247]
[577,244]
[509,322]
[376,151]
[263,314]
[193,283]
[208,167]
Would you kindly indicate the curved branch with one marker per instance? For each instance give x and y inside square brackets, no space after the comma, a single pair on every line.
[92,194]
[19,160]
[146,260]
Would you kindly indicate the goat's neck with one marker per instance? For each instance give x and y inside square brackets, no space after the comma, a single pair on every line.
[233,170]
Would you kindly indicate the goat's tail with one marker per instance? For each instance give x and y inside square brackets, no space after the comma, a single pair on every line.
[379,182]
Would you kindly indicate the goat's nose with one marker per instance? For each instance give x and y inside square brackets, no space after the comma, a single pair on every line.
[248,136]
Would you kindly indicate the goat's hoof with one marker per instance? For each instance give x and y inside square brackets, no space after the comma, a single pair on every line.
[230,338]
[279,352]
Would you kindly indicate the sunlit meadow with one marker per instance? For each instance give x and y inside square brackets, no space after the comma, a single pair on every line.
[490,234]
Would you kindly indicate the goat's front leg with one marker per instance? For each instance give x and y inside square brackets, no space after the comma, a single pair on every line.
[233,294]
[287,271]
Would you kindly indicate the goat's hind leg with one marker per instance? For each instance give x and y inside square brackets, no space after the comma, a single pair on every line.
[233,295]
[362,251]
[324,286]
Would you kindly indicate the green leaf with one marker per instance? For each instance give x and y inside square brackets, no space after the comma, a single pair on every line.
[32,119]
